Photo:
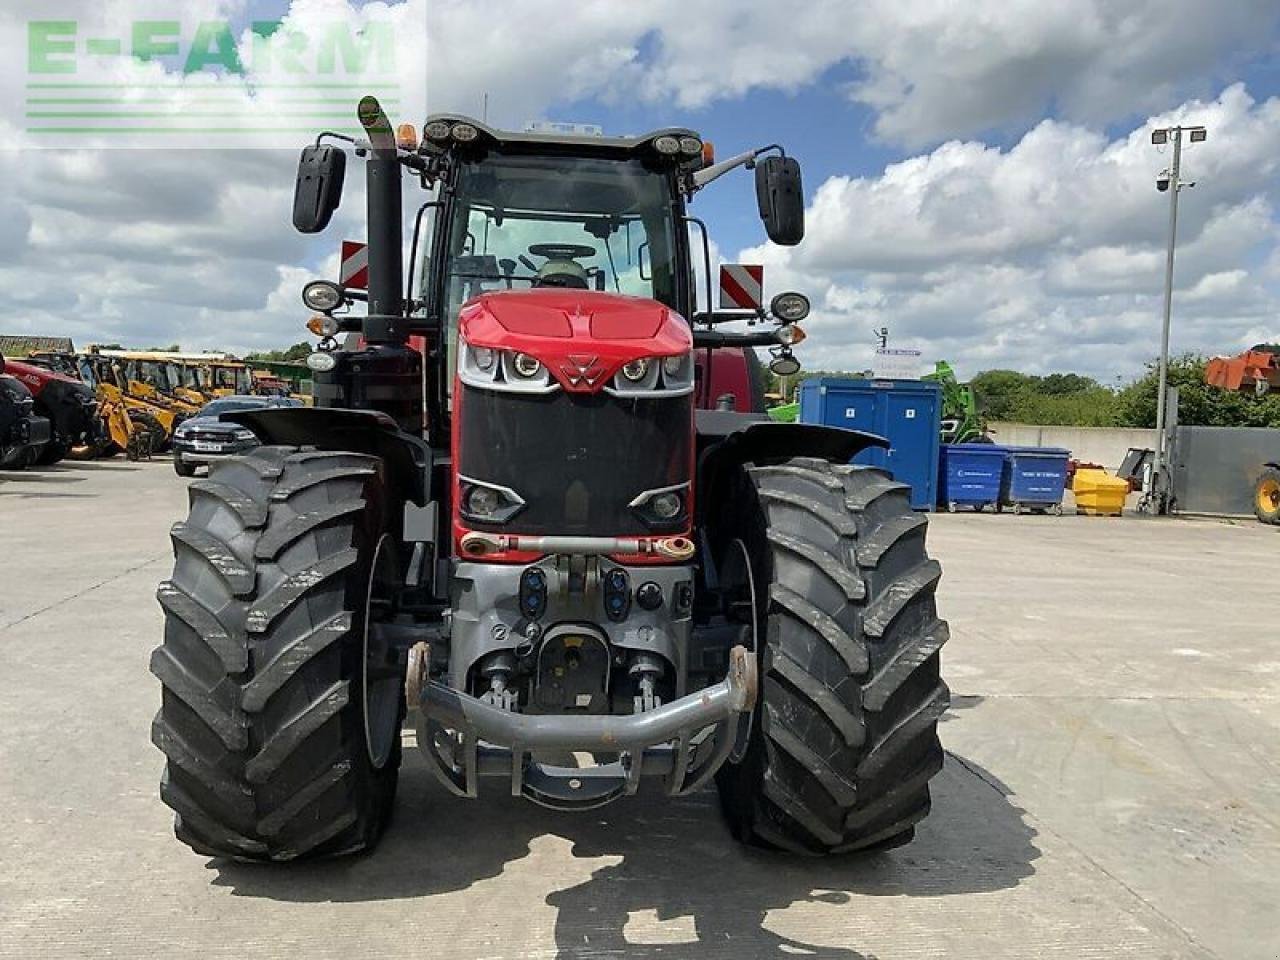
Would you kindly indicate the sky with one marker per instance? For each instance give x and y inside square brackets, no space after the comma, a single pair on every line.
[979,176]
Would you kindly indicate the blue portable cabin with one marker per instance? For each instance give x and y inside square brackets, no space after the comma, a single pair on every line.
[905,412]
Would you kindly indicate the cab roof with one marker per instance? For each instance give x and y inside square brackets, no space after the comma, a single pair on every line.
[571,142]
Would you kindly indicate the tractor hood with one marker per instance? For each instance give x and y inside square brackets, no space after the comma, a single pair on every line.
[582,337]
[37,378]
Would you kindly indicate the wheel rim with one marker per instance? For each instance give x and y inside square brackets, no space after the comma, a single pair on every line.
[381,682]
[1269,496]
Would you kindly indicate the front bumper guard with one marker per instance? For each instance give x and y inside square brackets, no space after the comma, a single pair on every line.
[684,742]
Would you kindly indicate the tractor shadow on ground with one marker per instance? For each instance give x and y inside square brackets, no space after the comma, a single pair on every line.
[675,860]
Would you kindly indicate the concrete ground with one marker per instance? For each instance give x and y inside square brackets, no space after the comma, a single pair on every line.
[1112,786]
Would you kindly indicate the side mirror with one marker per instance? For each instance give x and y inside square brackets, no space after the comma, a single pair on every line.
[318,189]
[781,199]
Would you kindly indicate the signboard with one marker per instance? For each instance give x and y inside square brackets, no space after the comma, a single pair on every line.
[896,364]
[741,286]
[354,272]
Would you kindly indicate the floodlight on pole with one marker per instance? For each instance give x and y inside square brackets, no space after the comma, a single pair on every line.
[1157,498]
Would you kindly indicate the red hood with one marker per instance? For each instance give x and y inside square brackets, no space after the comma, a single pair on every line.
[575,331]
[34,377]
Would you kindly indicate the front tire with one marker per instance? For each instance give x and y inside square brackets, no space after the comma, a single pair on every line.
[181,467]
[844,738]
[55,451]
[262,667]
[1266,497]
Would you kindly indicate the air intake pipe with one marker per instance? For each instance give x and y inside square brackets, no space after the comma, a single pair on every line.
[386,322]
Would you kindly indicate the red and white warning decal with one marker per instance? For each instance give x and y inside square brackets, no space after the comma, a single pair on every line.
[354,272]
[741,286]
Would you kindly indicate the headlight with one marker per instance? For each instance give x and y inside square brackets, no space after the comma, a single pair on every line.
[243,435]
[672,366]
[322,296]
[322,362]
[483,357]
[526,366]
[790,307]
[635,370]
[666,506]
[487,502]
[663,506]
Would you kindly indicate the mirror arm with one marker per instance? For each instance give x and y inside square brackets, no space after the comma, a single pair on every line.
[336,136]
[712,339]
[717,170]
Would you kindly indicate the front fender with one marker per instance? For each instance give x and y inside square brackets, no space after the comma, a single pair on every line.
[727,441]
[408,458]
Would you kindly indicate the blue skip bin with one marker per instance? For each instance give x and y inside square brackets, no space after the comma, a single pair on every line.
[970,475]
[1034,479]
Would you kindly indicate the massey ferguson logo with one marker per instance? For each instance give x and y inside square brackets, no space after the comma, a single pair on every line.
[582,369]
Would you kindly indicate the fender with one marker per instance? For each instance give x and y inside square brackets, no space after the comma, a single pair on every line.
[409,459]
[727,441]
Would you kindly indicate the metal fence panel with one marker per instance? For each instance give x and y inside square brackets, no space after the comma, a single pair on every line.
[1215,468]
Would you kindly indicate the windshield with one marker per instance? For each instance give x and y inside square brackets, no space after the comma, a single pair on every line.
[155,373]
[232,378]
[586,223]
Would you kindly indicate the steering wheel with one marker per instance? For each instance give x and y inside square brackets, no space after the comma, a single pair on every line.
[562,251]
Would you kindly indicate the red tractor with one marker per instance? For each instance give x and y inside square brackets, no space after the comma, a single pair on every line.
[517,514]
[69,406]
[23,434]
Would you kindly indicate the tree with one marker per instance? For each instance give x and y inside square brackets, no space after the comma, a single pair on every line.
[1199,404]
[299,351]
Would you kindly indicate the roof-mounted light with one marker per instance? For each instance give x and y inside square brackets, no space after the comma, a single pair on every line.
[690,146]
[406,137]
[667,144]
[436,130]
[464,132]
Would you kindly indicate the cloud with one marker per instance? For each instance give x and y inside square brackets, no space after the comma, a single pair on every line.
[929,70]
[1048,255]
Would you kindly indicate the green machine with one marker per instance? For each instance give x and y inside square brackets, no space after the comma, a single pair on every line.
[960,420]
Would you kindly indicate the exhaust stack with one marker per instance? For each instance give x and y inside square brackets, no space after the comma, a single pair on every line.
[386,323]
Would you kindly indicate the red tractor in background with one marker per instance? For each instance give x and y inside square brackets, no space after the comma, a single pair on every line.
[68,405]
[23,434]
[1255,371]
[517,513]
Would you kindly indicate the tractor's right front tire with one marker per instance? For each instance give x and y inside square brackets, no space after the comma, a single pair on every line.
[844,737]
[265,663]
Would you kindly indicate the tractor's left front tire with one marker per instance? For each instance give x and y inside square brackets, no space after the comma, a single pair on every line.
[844,737]
[282,736]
